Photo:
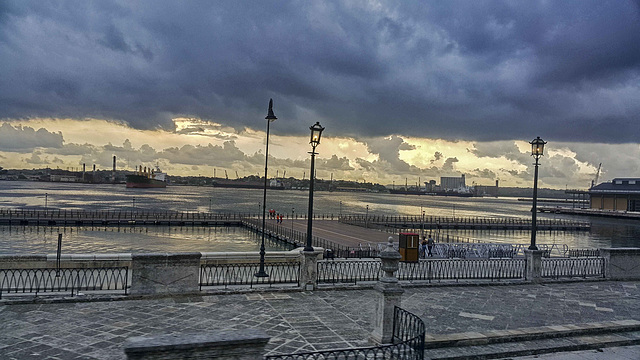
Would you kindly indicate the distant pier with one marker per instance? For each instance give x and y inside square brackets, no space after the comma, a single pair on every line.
[115,218]
[472,223]
[623,214]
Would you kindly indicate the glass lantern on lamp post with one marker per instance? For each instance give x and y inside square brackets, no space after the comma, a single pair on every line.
[537,150]
[316,133]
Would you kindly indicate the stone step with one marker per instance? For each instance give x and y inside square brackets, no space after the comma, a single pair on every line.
[526,334]
[535,347]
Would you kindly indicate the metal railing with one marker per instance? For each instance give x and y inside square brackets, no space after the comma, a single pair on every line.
[573,267]
[137,213]
[408,343]
[72,280]
[348,271]
[244,274]
[352,271]
[574,253]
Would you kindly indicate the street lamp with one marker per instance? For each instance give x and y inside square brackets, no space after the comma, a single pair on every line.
[537,150]
[270,118]
[316,132]
[366,218]
[422,222]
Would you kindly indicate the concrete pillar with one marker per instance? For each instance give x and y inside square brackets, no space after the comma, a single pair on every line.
[247,344]
[165,273]
[622,263]
[389,295]
[309,268]
[533,268]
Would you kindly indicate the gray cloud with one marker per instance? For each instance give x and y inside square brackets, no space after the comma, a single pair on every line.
[488,70]
[449,166]
[25,138]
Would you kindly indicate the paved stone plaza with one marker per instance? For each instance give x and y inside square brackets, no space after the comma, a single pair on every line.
[302,321]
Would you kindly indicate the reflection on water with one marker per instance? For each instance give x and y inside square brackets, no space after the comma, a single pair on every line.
[604,232]
[133,239]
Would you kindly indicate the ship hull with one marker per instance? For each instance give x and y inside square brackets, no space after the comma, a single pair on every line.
[443,193]
[137,181]
[241,185]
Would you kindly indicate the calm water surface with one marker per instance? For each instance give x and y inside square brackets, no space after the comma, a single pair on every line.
[604,232]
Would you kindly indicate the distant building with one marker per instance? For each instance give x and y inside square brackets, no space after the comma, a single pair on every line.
[486,190]
[452,183]
[622,194]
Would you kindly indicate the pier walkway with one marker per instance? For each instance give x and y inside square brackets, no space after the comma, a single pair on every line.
[300,321]
[471,223]
[622,214]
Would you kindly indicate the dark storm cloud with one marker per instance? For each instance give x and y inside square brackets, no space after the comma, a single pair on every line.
[476,70]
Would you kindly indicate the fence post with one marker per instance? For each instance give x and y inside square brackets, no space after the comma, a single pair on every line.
[533,265]
[309,268]
[389,295]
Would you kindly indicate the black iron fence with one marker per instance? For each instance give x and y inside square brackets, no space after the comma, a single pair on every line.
[348,271]
[408,343]
[72,280]
[573,267]
[352,271]
[244,274]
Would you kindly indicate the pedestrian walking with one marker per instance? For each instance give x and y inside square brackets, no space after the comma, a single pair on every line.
[423,248]
[430,244]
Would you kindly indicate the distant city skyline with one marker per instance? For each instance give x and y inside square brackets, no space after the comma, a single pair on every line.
[405,89]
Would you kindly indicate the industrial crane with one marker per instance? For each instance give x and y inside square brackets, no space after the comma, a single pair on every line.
[594,182]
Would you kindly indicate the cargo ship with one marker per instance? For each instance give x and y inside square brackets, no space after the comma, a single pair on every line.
[242,184]
[147,179]
[432,193]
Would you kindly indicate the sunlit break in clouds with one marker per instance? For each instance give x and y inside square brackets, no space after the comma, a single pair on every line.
[406,89]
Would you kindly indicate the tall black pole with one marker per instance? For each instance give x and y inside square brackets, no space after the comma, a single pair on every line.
[270,117]
[534,209]
[261,272]
[308,246]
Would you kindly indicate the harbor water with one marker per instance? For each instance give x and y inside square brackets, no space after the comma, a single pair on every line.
[68,196]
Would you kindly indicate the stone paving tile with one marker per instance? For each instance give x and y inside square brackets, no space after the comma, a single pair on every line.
[304,321]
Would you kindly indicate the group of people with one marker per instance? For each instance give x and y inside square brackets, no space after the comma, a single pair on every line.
[274,215]
[426,247]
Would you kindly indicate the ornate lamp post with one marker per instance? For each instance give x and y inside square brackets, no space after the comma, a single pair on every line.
[316,132]
[270,118]
[537,150]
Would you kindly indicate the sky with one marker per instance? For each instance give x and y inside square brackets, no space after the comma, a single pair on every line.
[408,91]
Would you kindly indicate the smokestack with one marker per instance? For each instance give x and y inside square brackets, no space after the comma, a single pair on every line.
[84,169]
[113,175]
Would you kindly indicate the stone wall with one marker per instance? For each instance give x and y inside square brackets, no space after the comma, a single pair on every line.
[622,263]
